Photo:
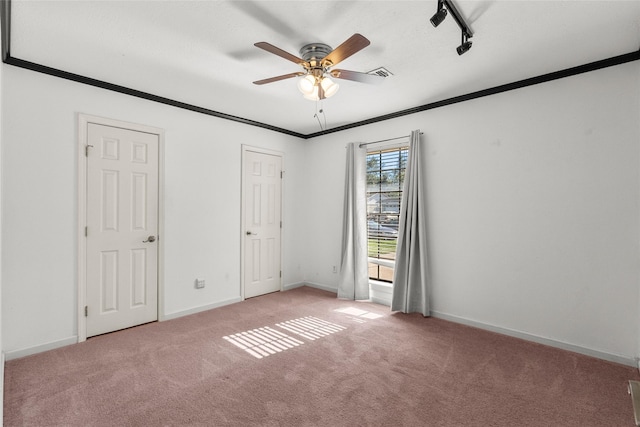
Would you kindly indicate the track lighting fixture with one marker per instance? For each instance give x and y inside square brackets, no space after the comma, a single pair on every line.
[441,14]
[465,46]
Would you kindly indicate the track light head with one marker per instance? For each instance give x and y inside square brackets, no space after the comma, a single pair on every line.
[439,16]
[466,44]
[464,47]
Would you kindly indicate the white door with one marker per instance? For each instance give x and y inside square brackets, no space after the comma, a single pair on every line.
[262,223]
[122,228]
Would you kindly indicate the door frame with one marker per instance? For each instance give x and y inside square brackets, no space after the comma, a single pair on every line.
[243,228]
[83,122]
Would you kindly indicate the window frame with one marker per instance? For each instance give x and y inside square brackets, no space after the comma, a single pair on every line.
[376,148]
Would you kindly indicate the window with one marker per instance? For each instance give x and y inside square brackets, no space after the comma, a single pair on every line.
[385,177]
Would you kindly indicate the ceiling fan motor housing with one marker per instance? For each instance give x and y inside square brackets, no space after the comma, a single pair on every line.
[313,53]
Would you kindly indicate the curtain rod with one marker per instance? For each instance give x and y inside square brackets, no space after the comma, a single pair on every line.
[385,140]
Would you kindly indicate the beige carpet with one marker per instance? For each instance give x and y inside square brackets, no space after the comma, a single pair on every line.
[305,358]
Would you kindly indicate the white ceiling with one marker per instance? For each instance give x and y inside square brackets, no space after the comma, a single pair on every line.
[202,53]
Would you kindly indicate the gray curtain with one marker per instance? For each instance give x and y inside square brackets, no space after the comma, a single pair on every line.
[410,276]
[353,282]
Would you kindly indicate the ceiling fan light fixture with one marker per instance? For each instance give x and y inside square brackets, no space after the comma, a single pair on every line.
[307,85]
[314,95]
[317,59]
[329,86]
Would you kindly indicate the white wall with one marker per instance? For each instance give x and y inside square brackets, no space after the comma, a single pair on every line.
[324,197]
[202,204]
[533,209]
[533,206]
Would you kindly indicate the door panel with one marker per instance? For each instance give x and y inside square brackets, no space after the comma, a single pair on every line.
[263,194]
[122,213]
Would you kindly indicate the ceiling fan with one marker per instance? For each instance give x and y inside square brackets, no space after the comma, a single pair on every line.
[317,60]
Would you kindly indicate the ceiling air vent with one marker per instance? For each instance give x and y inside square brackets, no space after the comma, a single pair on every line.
[381,71]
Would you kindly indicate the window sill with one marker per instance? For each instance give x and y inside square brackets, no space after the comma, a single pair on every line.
[378,286]
[381,292]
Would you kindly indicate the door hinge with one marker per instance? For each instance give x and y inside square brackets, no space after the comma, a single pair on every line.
[281,273]
[281,174]
[86,231]
[86,150]
[280,224]
[86,311]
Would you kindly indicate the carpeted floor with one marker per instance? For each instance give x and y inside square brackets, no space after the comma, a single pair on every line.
[304,358]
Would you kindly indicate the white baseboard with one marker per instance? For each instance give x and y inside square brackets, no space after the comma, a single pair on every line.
[624,360]
[321,286]
[199,309]
[616,358]
[16,354]
[382,301]
[293,286]
[379,295]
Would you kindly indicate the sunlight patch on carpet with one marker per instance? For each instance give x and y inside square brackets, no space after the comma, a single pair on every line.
[263,342]
[310,327]
[359,314]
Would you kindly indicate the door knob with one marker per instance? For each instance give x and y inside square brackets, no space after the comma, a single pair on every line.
[150,239]
[249,233]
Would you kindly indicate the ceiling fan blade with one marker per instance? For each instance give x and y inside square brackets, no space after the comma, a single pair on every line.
[353,44]
[281,53]
[278,78]
[356,76]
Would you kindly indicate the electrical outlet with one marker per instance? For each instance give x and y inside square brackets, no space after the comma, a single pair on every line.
[199,283]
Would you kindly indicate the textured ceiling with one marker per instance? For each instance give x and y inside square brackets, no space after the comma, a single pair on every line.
[202,53]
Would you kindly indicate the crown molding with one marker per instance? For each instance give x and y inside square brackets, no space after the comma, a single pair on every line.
[5,20]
